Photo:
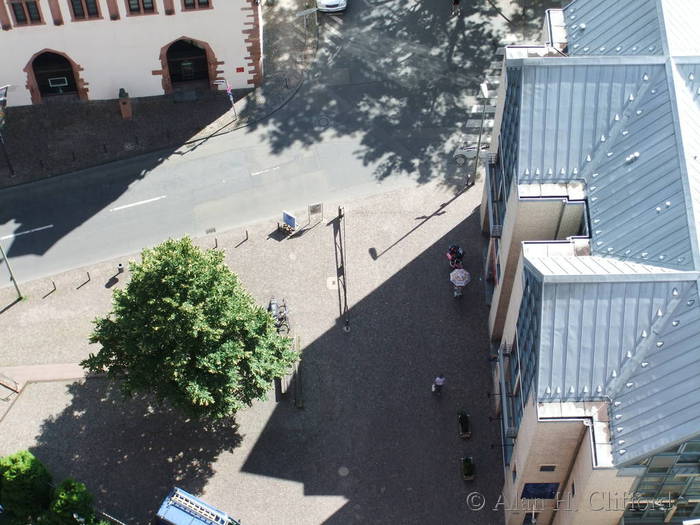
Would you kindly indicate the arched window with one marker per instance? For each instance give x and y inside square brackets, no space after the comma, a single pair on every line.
[54,75]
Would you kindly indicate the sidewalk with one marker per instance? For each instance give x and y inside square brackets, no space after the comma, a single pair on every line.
[50,139]
[52,324]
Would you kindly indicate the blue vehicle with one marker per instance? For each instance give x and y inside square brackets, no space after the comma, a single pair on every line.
[182,508]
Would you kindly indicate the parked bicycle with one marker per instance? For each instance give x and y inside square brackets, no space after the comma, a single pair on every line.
[280,314]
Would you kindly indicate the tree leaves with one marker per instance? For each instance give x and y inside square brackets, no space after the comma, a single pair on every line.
[185,330]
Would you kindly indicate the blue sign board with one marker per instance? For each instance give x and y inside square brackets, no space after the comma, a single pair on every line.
[290,220]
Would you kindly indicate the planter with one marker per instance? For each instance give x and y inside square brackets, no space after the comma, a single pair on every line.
[465,429]
[467,468]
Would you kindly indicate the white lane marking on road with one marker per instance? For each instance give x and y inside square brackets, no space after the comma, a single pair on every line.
[138,203]
[254,173]
[334,56]
[13,235]
[336,19]
[333,31]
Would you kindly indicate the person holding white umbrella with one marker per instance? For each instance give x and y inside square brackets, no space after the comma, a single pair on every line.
[460,278]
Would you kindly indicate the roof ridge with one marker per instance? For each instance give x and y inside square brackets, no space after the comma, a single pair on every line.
[619,123]
[646,343]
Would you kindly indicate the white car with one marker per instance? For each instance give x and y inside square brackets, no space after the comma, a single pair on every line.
[467,150]
[331,6]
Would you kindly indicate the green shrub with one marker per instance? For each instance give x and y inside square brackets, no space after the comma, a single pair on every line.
[71,497]
[25,486]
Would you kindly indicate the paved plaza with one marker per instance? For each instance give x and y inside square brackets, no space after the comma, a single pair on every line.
[370,445]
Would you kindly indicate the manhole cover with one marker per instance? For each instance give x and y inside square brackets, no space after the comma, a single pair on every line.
[323,122]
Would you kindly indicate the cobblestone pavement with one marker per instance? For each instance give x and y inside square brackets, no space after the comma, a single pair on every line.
[51,139]
[371,445]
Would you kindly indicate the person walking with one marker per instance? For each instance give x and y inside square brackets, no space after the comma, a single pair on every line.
[438,383]
[455,8]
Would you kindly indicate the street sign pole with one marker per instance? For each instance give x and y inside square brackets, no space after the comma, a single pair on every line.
[230,97]
[229,92]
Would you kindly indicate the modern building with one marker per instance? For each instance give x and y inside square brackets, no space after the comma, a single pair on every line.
[92,49]
[591,207]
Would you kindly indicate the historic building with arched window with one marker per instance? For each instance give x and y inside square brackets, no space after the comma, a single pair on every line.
[67,50]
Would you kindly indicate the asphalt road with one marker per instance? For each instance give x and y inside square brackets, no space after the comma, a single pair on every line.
[382,108]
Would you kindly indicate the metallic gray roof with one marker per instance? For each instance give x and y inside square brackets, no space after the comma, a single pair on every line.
[657,401]
[622,115]
[590,268]
[589,329]
[627,339]
[611,125]
[619,27]
[686,76]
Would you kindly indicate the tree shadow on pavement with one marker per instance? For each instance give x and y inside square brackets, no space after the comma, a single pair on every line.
[371,431]
[401,83]
[528,15]
[130,453]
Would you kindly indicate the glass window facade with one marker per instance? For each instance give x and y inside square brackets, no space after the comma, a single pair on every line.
[669,489]
[518,365]
[502,173]
[528,331]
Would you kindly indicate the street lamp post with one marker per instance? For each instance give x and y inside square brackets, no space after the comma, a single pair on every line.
[484,99]
[12,275]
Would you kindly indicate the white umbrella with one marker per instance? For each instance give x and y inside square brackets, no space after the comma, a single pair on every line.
[460,277]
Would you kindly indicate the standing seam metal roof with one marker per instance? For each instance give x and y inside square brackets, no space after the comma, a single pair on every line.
[660,400]
[611,125]
[627,339]
[623,116]
[613,28]
[589,329]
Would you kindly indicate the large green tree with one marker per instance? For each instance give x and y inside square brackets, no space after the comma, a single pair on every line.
[185,330]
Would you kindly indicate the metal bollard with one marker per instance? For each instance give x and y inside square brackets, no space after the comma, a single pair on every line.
[84,283]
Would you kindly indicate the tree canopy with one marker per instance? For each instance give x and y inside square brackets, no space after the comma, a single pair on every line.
[25,486]
[71,498]
[185,330]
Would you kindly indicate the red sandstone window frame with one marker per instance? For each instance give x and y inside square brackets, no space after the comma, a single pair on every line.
[29,21]
[196,5]
[142,11]
[86,15]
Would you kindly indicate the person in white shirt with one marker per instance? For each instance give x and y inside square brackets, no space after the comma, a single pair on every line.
[438,383]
